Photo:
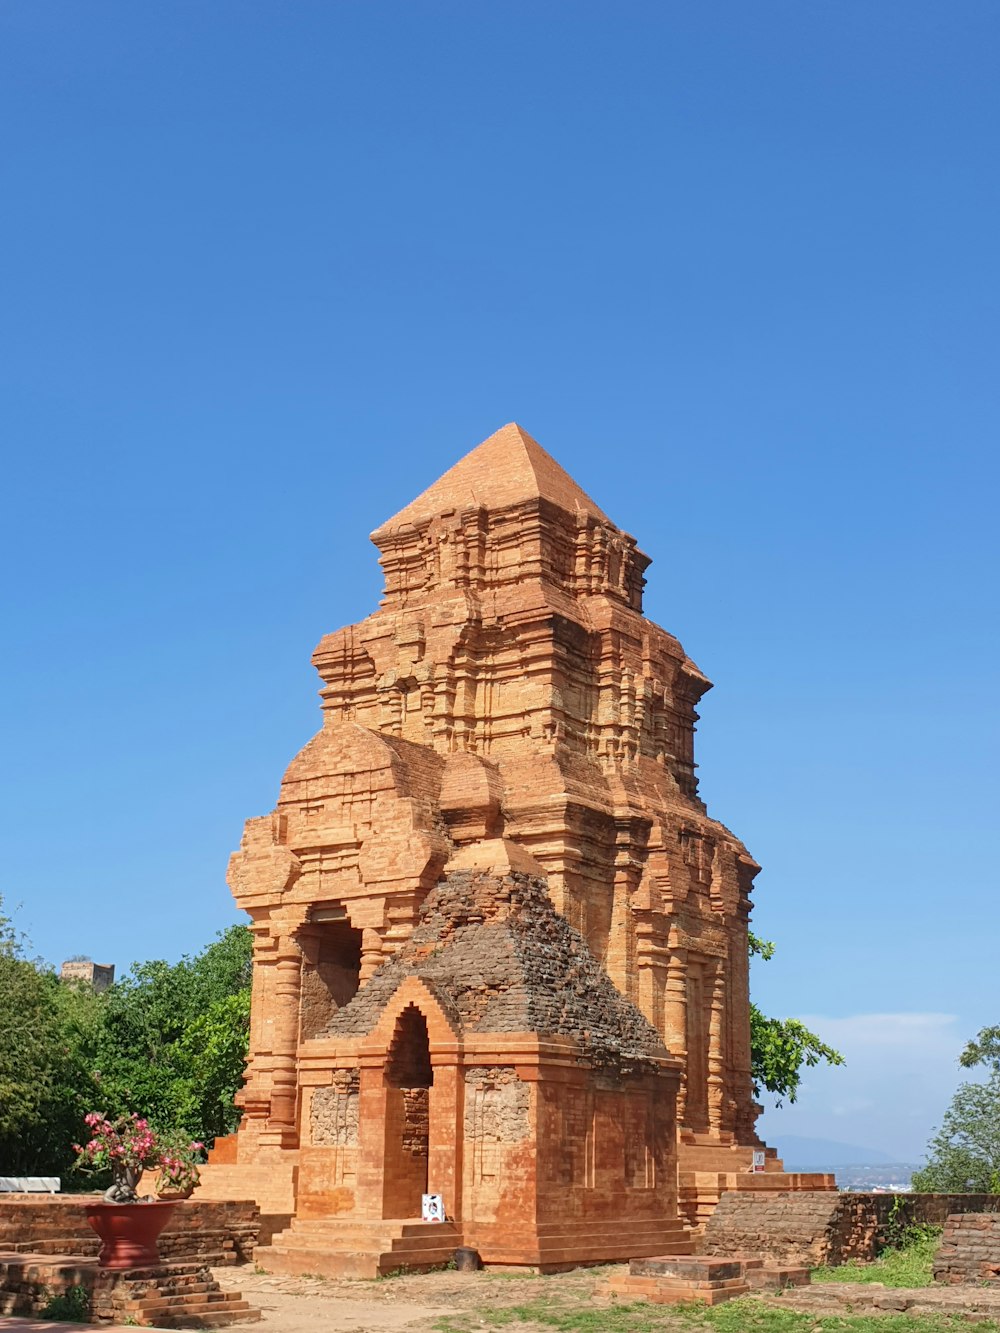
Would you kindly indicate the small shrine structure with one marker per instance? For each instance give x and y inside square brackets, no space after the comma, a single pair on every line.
[500,945]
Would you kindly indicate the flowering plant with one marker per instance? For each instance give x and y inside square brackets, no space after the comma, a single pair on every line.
[179,1158]
[128,1146]
[125,1146]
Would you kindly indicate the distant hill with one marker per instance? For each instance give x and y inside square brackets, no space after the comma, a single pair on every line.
[797,1152]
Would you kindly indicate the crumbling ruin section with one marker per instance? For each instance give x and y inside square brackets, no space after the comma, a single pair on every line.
[970,1249]
[818,1227]
[498,956]
[334,1112]
[497,1103]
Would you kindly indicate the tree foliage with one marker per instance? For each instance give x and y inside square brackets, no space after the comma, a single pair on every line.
[965,1152]
[45,1042]
[983,1049]
[167,1041]
[174,1038]
[964,1155]
[781,1047]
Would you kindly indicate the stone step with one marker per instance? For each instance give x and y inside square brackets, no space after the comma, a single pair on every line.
[348,1237]
[209,1319]
[297,1263]
[173,1293]
[636,1228]
[216,1297]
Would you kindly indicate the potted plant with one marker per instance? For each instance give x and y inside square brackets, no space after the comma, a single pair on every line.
[128,1226]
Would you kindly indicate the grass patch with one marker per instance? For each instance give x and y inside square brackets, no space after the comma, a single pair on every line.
[70,1307]
[908,1266]
[739,1316]
[750,1316]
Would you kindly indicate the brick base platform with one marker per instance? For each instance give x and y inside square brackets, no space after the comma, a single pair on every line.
[212,1232]
[673,1279]
[167,1296]
[343,1247]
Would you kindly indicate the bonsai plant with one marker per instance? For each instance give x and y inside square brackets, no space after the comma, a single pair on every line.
[126,1147]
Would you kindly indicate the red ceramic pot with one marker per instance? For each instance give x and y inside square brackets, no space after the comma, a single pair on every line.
[128,1232]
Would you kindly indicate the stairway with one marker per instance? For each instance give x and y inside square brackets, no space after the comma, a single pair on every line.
[331,1247]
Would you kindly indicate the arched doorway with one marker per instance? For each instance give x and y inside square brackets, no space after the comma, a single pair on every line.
[408,1077]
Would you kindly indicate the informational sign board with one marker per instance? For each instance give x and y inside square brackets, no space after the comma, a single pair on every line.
[432,1208]
[758,1160]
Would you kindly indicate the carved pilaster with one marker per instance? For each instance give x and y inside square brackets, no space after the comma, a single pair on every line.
[675,1017]
[285,1036]
[716,1000]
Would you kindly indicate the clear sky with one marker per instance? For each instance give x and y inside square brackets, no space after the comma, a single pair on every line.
[267,270]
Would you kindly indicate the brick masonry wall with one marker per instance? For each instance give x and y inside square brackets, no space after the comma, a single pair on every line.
[970,1249]
[813,1228]
[216,1233]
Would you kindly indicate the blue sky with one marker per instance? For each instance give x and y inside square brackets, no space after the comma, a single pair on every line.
[269,269]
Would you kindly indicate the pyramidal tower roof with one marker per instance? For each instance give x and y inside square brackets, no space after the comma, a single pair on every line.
[507,469]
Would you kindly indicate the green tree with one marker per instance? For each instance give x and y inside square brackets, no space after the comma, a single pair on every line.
[46,1042]
[174,1038]
[983,1049]
[965,1152]
[781,1047]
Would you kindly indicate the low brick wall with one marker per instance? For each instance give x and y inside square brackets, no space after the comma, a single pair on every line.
[970,1249]
[814,1228]
[215,1233]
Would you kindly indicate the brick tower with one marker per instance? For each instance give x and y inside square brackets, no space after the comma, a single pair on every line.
[506,740]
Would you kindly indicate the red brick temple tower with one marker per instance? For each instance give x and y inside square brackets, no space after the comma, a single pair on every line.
[500,945]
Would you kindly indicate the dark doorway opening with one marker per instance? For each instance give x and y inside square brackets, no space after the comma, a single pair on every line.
[331,974]
[409,1078]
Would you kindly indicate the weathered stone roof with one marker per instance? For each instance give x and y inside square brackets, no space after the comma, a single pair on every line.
[507,469]
[499,958]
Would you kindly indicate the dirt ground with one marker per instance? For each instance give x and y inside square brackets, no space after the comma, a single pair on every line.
[413,1302]
[417,1302]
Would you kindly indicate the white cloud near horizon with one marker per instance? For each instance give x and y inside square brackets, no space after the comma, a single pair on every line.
[901,1072]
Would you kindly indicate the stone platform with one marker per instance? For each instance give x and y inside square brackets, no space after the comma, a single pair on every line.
[674,1279]
[342,1247]
[213,1232]
[170,1295]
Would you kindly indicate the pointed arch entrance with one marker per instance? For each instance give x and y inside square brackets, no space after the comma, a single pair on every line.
[409,1078]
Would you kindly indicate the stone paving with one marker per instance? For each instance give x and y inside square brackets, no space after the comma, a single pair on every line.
[873,1297]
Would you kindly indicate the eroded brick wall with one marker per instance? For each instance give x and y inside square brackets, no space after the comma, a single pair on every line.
[791,1227]
[813,1228]
[970,1249]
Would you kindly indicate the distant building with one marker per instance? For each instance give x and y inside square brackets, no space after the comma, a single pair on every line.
[98,975]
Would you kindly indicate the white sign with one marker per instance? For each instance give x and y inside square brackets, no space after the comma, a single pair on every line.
[432,1208]
[758,1160]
